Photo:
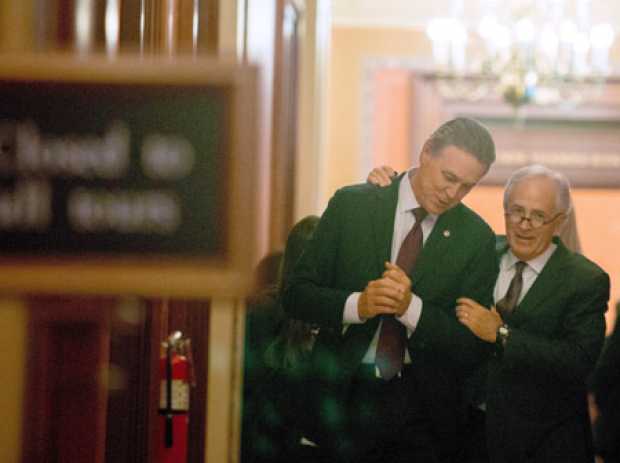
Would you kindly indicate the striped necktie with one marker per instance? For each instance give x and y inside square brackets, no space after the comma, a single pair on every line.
[507,304]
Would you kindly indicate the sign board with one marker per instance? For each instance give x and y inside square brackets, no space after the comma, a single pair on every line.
[132,176]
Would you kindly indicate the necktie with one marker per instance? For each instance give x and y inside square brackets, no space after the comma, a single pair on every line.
[392,337]
[508,303]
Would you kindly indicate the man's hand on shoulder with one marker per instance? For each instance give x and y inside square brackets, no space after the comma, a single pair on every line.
[381,176]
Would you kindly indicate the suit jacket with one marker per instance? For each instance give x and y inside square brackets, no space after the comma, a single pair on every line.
[606,389]
[536,402]
[349,248]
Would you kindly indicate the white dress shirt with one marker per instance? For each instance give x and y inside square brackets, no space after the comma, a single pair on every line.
[403,222]
[531,271]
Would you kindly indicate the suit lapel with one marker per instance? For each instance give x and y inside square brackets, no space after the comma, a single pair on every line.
[381,214]
[382,219]
[547,284]
[436,244]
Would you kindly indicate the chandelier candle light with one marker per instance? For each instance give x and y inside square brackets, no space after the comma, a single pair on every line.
[541,52]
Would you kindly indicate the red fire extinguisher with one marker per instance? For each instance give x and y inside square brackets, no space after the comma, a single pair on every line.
[176,377]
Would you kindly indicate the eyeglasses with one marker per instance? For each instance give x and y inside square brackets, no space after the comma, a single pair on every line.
[536,219]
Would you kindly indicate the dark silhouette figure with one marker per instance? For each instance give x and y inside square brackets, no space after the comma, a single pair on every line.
[276,352]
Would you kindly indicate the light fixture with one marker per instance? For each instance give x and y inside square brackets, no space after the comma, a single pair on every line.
[541,52]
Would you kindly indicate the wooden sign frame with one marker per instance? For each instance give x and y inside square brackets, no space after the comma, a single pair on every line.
[152,275]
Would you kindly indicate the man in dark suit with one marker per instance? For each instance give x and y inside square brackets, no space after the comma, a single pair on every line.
[547,327]
[605,386]
[391,356]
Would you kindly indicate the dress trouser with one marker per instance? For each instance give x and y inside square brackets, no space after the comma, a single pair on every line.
[476,439]
[388,421]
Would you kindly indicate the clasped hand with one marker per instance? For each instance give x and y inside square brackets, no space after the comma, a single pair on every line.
[390,294]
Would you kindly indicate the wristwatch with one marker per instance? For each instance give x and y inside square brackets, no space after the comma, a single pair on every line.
[502,335]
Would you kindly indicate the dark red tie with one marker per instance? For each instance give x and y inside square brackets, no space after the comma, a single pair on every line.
[393,336]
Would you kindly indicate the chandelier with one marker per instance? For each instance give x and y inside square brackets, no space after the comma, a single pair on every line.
[540,52]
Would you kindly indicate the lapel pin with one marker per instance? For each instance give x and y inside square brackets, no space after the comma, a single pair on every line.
[446,233]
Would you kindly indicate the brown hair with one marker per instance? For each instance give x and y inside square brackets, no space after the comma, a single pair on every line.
[464,133]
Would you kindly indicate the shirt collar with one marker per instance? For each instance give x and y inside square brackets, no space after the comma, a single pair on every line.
[537,263]
[406,198]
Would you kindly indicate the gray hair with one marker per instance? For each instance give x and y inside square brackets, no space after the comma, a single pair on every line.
[563,202]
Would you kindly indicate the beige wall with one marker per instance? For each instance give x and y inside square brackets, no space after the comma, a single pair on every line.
[598,223]
[350,47]
[12,359]
[314,59]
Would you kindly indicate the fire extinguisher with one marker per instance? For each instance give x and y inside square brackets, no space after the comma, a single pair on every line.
[176,377]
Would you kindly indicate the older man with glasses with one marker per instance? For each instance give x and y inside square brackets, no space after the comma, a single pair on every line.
[547,327]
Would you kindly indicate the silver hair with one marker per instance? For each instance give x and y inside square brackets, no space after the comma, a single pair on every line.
[563,201]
